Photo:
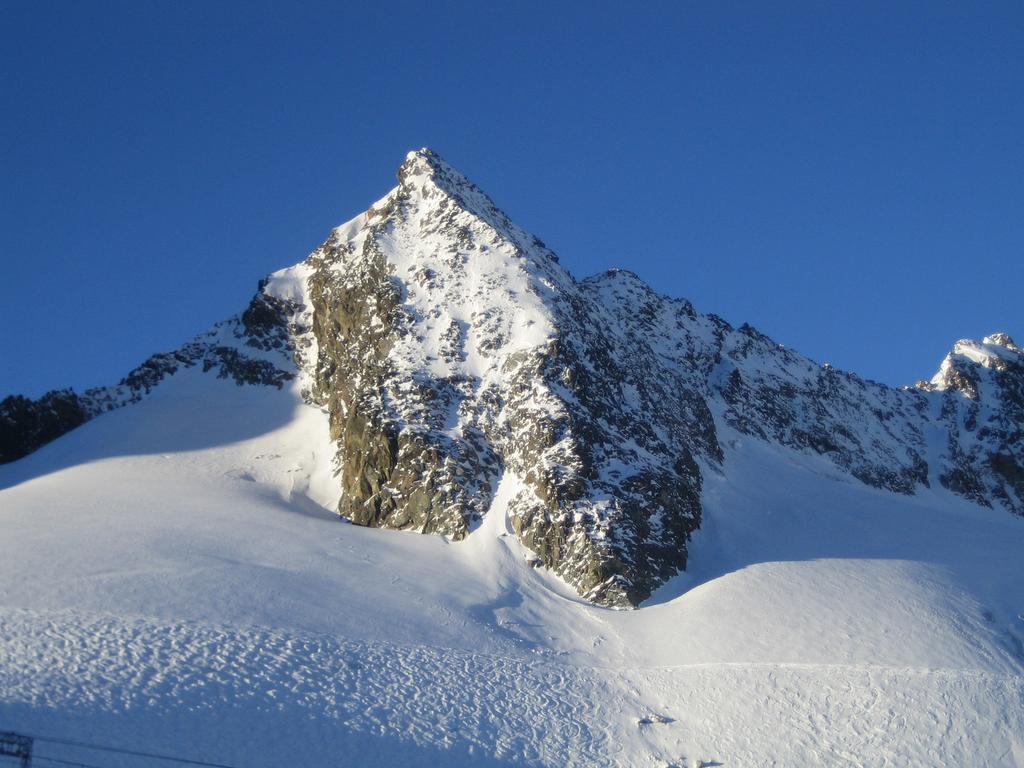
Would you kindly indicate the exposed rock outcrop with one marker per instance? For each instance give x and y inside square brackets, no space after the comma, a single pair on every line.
[26,425]
[454,347]
[981,385]
[228,350]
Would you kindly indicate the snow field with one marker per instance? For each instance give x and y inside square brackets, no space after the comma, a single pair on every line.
[171,579]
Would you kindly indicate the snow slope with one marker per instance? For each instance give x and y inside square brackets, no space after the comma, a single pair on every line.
[172,580]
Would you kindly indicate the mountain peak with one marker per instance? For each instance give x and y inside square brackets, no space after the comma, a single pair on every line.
[962,368]
[1001,339]
[425,177]
[452,353]
[993,351]
[423,167]
[423,162]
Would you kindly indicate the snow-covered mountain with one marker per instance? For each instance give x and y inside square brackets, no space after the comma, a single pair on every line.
[828,569]
[449,346]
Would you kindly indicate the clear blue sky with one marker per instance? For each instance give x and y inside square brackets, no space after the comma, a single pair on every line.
[847,177]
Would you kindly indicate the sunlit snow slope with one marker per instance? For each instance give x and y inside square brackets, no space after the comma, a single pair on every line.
[175,576]
[172,580]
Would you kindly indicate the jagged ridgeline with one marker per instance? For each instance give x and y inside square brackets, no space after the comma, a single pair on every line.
[449,348]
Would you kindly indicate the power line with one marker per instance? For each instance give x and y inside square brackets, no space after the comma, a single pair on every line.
[45,759]
[117,750]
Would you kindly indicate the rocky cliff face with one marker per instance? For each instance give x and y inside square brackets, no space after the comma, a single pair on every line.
[961,431]
[453,347]
[978,398]
[448,346]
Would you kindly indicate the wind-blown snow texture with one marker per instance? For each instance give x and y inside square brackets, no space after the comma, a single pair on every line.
[171,578]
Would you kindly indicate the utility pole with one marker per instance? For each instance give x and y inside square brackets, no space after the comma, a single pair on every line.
[17,746]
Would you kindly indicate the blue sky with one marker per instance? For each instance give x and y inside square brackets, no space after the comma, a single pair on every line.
[849,178]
